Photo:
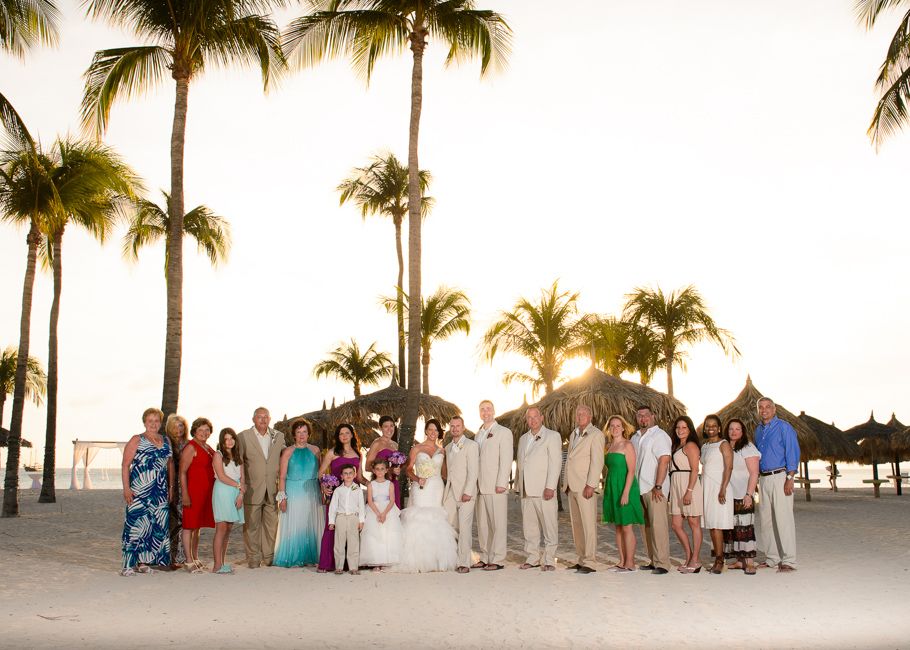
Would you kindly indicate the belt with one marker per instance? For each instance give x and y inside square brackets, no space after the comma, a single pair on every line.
[774,471]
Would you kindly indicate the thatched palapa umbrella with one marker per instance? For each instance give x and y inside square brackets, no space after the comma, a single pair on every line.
[321,421]
[4,439]
[835,445]
[606,395]
[874,440]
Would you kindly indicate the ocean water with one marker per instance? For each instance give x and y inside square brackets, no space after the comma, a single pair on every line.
[101,478]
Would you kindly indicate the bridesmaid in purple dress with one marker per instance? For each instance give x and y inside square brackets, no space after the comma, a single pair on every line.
[383,447]
[346,451]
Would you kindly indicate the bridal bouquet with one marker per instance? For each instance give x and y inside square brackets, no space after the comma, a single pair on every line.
[329,482]
[426,469]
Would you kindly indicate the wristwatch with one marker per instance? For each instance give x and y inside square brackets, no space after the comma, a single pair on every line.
[659,488]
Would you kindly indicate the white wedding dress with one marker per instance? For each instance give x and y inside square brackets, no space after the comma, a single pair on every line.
[429,540]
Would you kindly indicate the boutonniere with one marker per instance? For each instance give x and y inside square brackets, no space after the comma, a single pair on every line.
[354,486]
[584,433]
[536,438]
[490,435]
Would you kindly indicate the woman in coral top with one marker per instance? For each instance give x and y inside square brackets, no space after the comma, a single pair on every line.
[197,479]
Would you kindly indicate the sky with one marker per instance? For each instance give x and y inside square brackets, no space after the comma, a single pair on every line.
[714,143]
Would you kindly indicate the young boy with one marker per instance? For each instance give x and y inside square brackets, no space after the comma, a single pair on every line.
[347,513]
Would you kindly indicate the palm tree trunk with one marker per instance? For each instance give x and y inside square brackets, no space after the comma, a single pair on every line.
[669,358]
[402,379]
[412,403]
[425,361]
[11,483]
[173,345]
[2,404]
[48,491]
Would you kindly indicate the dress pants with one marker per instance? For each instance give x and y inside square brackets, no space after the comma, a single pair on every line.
[259,530]
[536,515]
[492,524]
[777,527]
[460,515]
[347,531]
[656,531]
[583,513]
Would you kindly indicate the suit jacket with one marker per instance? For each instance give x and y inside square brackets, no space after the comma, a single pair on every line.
[585,461]
[463,468]
[495,459]
[539,468]
[261,472]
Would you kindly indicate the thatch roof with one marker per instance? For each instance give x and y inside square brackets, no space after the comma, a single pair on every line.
[874,439]
[515,421]
[835,445]
[4,439]
[897,424]
[605,394]
[744,407]
[324,422]
[390,401]
[900,442]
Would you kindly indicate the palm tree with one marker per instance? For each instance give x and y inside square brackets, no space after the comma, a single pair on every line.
[644,354]
[35,378]
[72,181]
[187,35]
[446,312]
[382,188]
[606,340]
[368,29]
[677,319]
[893,80]
[547,333]
[346,363]
[150,223]
[102,201]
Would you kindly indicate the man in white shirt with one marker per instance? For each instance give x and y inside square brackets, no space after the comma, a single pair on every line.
[537,479]
[346,516]
[584,465]
[651,464]
[493,482]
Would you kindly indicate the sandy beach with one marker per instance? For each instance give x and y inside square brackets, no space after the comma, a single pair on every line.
[59,587]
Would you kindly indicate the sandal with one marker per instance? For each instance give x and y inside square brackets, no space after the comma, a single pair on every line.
[749,571]
[692,569]
[355,573]
[786,568]
[479,565]
[145,568]
[377,569]
[225,570]
[338,572]
[718,567]
[194,568]
[128,572]
[463,569]
[529,566]
[493,567]
[548,567]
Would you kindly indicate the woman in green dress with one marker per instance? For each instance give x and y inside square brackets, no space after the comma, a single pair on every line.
[622,505]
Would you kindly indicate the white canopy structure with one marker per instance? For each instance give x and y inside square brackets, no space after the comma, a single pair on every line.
[84,451]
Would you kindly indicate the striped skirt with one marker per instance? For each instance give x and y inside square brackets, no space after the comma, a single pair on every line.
[740,542]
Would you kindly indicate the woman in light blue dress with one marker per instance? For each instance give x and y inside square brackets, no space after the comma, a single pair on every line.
[301,520]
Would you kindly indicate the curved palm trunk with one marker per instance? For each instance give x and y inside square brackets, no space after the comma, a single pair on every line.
[425,361]
[11,483]
[400,307]
[173,345]
[412,403]
[48,489]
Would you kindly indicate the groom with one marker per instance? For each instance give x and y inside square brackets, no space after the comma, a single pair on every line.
[495,443]
[463,462]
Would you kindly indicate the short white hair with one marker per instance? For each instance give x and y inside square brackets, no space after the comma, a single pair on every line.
[765,399]
[585,407]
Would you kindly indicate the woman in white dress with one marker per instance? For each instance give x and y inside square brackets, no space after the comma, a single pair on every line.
[716,467]
[429,540]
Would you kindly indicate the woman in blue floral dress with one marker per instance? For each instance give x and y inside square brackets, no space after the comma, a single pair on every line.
[148,484]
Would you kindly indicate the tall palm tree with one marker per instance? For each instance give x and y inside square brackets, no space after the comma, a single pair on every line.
[446,312]
[546,332]
[45,190]
[366,30]
[606,340]
[678,318]
[35,378]
[891,112]
[187,35]
[150,223]
[382,188]
[347,363]
[644,354]
[96,211]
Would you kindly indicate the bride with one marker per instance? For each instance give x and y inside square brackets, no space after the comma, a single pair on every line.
[429,540]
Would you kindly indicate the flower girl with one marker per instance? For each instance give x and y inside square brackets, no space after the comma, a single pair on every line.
[380,541]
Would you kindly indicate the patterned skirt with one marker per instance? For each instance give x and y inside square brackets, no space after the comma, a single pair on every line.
[740,542]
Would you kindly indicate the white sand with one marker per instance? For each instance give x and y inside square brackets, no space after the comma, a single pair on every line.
[59,587]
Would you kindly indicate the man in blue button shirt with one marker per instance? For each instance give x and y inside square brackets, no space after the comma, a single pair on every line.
[776,440]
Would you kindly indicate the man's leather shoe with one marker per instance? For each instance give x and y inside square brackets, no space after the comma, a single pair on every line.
[574,566]
[658,571]
[647,567]
[585,569]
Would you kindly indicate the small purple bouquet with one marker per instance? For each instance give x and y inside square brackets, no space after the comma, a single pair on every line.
[397,458]
[329,483]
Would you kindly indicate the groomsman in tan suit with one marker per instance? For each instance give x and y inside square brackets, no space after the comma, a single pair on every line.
[260,447]
[459,498]
[495,442]
[584,464]
[539,463]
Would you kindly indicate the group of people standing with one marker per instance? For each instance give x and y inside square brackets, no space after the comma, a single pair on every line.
[300,509]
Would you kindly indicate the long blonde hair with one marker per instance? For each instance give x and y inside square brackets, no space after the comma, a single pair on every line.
[170,429]
[627,429]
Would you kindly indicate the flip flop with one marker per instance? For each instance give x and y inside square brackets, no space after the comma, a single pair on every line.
[463,569]
[548,567]
[225,570]
[479,565]
[529,566]
[749,571]
[786,568]
[493,567]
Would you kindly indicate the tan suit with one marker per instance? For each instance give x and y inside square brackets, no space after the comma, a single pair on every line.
[539,463]
[584,465]
[463,466]
[260,508]
[492,507]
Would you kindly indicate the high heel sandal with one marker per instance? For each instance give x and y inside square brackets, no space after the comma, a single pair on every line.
[689,569]
[719,567]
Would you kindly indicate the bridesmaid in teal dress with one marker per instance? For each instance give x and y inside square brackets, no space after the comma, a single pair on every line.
[622,503]
[301,519]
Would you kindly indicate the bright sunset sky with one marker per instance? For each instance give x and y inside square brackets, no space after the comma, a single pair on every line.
[713,143]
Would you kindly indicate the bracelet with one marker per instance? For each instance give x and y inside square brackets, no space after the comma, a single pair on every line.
[282,496]
[239,485]
[689,490]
